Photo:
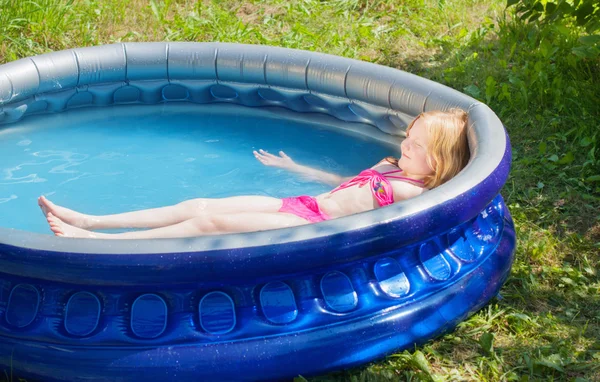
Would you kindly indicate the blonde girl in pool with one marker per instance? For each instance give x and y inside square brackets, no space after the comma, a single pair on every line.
[435,150]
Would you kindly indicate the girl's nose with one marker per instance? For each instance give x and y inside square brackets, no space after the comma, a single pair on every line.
[405,146]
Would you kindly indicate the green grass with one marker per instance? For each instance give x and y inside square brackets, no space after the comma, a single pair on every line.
[547,326]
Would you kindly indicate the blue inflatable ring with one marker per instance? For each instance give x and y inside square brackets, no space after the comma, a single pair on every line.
[262,305]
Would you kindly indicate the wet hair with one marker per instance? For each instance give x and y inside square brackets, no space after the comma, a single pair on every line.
[448,148]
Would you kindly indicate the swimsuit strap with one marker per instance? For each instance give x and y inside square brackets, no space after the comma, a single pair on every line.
[401,177]
[405,178]
[391,172]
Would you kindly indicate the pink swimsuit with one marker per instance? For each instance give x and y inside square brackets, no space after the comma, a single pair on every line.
[304,206]
[307,207]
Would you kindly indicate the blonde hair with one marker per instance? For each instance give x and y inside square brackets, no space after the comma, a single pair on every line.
[448,148]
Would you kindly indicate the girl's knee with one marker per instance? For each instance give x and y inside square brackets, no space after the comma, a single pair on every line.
[217,223]
[195,206]
[203,223]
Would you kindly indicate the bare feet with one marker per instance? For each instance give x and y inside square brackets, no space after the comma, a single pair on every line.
[60,228]
[66,215]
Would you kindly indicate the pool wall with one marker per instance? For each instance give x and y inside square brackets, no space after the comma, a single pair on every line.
[262,305]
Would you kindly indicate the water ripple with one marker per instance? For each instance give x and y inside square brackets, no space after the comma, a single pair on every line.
[68,159]
[87,175]
[5,200]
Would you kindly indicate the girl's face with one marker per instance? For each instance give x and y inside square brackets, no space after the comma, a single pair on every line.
[415,151]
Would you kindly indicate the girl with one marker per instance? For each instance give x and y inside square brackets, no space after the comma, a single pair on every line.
[435,150]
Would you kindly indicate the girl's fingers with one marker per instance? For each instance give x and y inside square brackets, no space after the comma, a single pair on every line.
[268,154]
[261,158]
[268,158]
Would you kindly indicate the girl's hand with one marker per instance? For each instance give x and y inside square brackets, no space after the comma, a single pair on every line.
[282,161]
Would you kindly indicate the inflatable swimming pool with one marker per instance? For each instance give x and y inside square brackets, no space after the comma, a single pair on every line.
[255,306]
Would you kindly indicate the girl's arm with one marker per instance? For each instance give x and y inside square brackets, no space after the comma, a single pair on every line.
[285,162]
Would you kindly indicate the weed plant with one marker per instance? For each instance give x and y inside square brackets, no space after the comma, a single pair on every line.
[530,70]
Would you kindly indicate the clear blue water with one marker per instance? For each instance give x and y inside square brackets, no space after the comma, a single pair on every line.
[110,160]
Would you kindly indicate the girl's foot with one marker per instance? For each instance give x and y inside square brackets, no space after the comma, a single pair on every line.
[60,228]
[66,215]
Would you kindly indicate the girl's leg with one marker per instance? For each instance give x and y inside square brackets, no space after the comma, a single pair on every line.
[208,224]
[163,216]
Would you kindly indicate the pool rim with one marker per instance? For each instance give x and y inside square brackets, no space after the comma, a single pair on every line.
[484,175]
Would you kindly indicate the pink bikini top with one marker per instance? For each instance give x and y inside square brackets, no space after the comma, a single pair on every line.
[380,185]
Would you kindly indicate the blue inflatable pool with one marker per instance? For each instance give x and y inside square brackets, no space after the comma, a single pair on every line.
[255,306]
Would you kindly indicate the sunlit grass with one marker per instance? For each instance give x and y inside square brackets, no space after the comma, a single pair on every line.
[547,325]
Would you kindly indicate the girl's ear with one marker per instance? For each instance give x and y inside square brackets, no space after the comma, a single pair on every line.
[433,163]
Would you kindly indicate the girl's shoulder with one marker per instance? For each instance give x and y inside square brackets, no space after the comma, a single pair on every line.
[383,161]
[384,165]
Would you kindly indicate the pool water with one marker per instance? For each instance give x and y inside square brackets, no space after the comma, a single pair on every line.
[122,158]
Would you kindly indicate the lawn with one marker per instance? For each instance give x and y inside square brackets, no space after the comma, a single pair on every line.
[543,81]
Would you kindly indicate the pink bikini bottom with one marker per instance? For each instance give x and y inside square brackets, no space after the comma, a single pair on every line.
[305,207]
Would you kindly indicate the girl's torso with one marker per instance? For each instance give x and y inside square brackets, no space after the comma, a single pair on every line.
[362,194]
